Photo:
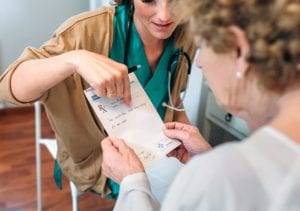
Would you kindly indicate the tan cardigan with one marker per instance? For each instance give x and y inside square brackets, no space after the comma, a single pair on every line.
[77,131]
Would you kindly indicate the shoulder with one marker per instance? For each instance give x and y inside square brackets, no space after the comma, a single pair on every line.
[218,160]
[92,31]
[234,176]
[92,20]
[209,177]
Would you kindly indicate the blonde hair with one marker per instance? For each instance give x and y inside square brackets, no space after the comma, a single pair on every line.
[271,26]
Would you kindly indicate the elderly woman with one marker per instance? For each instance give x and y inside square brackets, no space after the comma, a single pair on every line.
[250,55]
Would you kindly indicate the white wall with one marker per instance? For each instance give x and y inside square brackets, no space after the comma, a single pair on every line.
[94,4]
[192,99]
[31,22]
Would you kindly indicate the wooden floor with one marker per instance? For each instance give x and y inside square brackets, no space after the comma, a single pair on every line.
[17,168]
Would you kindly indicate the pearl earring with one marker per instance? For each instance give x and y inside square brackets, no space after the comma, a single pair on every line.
[238,74]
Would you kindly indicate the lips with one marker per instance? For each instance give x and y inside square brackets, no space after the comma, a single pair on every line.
[162,27]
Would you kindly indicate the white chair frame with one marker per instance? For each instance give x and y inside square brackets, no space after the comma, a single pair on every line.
[51,146]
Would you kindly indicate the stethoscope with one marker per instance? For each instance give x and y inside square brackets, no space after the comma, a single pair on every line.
[175,59]
[178,56]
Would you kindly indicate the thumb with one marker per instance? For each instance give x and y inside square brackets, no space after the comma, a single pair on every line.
[107,146]
[178,134]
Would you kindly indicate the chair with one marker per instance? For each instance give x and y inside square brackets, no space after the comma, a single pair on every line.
[51,146]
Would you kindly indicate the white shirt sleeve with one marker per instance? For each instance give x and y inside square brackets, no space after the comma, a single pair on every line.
[135,194]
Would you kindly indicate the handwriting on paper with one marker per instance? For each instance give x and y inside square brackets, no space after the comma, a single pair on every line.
[139,125]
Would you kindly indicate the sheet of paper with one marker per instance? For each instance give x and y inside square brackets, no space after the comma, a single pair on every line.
[139,125]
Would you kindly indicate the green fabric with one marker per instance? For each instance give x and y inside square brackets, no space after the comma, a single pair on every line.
[115,189]
[120,31]
[155,84]
[57,174]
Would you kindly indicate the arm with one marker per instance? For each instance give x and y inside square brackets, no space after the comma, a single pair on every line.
[135,194]
[122,165]
[34,77]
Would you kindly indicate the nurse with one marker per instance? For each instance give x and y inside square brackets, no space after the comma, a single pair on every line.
[95,49]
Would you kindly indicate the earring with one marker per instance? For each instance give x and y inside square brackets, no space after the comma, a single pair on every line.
[238,74]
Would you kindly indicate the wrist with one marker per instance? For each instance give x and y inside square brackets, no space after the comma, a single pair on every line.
[202,149]
[68,60]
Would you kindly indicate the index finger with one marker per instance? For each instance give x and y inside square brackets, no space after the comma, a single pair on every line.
[178,134]
[175,125]
[121,145]
[127,91]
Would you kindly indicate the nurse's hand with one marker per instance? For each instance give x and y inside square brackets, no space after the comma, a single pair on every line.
[119,160]
[107,77]
[189,135]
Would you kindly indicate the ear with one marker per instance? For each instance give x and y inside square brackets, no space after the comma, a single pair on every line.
[242,50]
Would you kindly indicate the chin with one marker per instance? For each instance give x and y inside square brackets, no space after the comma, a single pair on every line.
[161,35]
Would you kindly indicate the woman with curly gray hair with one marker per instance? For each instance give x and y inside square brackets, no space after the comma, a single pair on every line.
[250,56]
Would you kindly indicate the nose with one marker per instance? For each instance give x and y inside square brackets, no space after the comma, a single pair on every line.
[163,11]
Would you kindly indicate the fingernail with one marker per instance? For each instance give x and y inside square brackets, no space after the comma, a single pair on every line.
[128,102]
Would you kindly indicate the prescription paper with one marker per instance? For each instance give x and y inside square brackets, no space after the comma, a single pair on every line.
[139,125]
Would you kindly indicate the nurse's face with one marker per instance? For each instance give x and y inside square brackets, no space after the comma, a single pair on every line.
[153,19]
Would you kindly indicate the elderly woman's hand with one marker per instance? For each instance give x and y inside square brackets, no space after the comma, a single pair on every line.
[190,137]
[119,160]
[180,153]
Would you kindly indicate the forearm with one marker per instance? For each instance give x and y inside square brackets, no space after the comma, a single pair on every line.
[34,77]
[135,194]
